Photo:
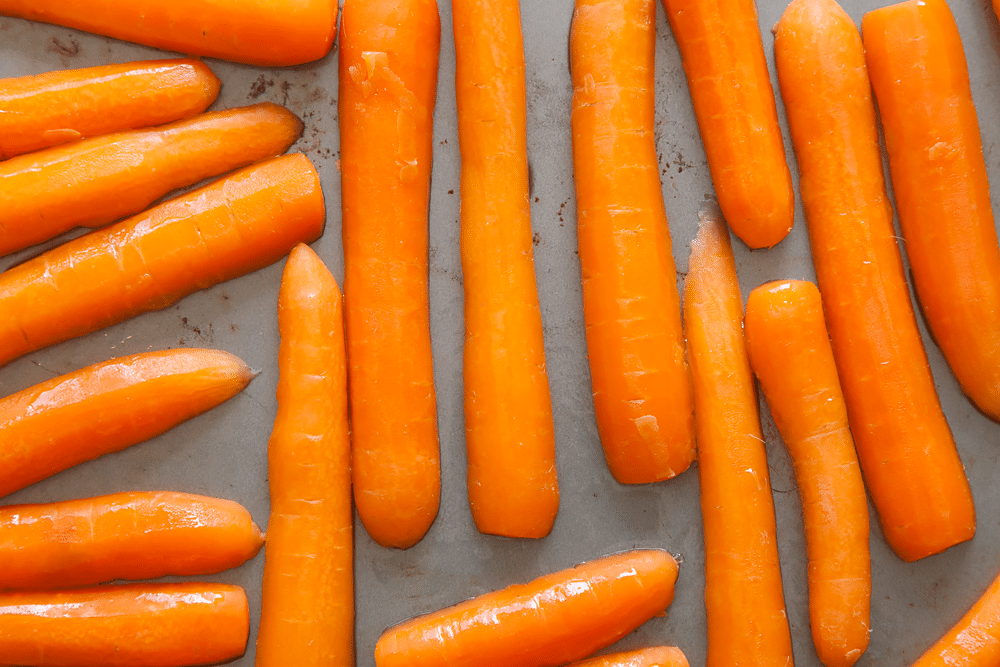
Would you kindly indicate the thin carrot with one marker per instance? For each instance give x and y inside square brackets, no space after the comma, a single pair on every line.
[97,181]
[974,641]
[550,621]
[790,353]
[641,382]
[233,226]
[134,625]
[727,75]
[513,489]
[307,608]
[56,107]
[657,656]
[743,594]
[907,454]
[388,78]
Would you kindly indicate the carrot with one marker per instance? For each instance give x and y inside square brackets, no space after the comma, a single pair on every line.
[388,77]
[56,107]
[134,625]
[974,641]
[743,595]
[726,70]
[642,385]
[513,489]
[657,656]
[97,181]
[233,226]
[307,611]
[907,454]
[790,353]
[550,621]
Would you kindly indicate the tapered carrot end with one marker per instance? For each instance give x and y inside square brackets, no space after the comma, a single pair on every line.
[813,14]
[210,83]
[713,236]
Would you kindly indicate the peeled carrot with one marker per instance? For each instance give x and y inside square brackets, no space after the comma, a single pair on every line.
[790,354]
[743,595]
[550,621]
[388,78]
[307,608]
[733,100]
[56,107]
[974,641]
[641,381]
[907,454]
[135,625]
[97,181]
[657,656]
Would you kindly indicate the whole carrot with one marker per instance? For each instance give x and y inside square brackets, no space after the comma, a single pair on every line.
[550,621]
[638,366]
[97,181]
[134,625]
[236,225]
[388,78]
[745,606]
[56,107]
[657,656]
[513,489]
[790,354]
[907,454]
[974,641]
[307,608]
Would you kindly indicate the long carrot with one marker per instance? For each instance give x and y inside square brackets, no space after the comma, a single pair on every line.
[657,656]
[790,353]
[233,226]
[743,594]
[134,625]
[513,489]
[907,454]
[307,608]
[974,641]
[550,621]
[97,181]
[641,381]
[388,77]
[726,70]
[56,107]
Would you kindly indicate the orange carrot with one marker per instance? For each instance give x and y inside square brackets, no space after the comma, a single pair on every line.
[790,353]
[907,454]
[513,489]
[657,656]
[307,610]
[641,382]
[550,621]
[974,641]
[56,107]
[233,226]
[743,595]
[727,74]
[97,181]
[135,625]
[388,77]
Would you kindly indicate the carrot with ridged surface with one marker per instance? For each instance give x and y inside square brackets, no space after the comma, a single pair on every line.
[657,656]
[972,642]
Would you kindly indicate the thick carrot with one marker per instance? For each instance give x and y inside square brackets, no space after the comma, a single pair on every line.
[907,454]
[233,226]
[134,625]
[56,107]
[657,656]
[307,608]
[733,100]
[638,366]
[509,435]
[790,353]
[388,78]
[974,641]
[97,181]
[550,621]
[743,595]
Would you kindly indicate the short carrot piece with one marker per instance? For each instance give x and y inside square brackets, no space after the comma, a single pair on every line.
[791,355]
[97,181]
[53,108]
[513,488]
[657,656]
[974,641]
[388,79]
[743,594]
[641,382]
[134,625]
[236,225]
[906,450]
[550,621]
[307,608]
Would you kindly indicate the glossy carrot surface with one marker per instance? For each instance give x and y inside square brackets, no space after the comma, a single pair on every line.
[657,656]
[974,641]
